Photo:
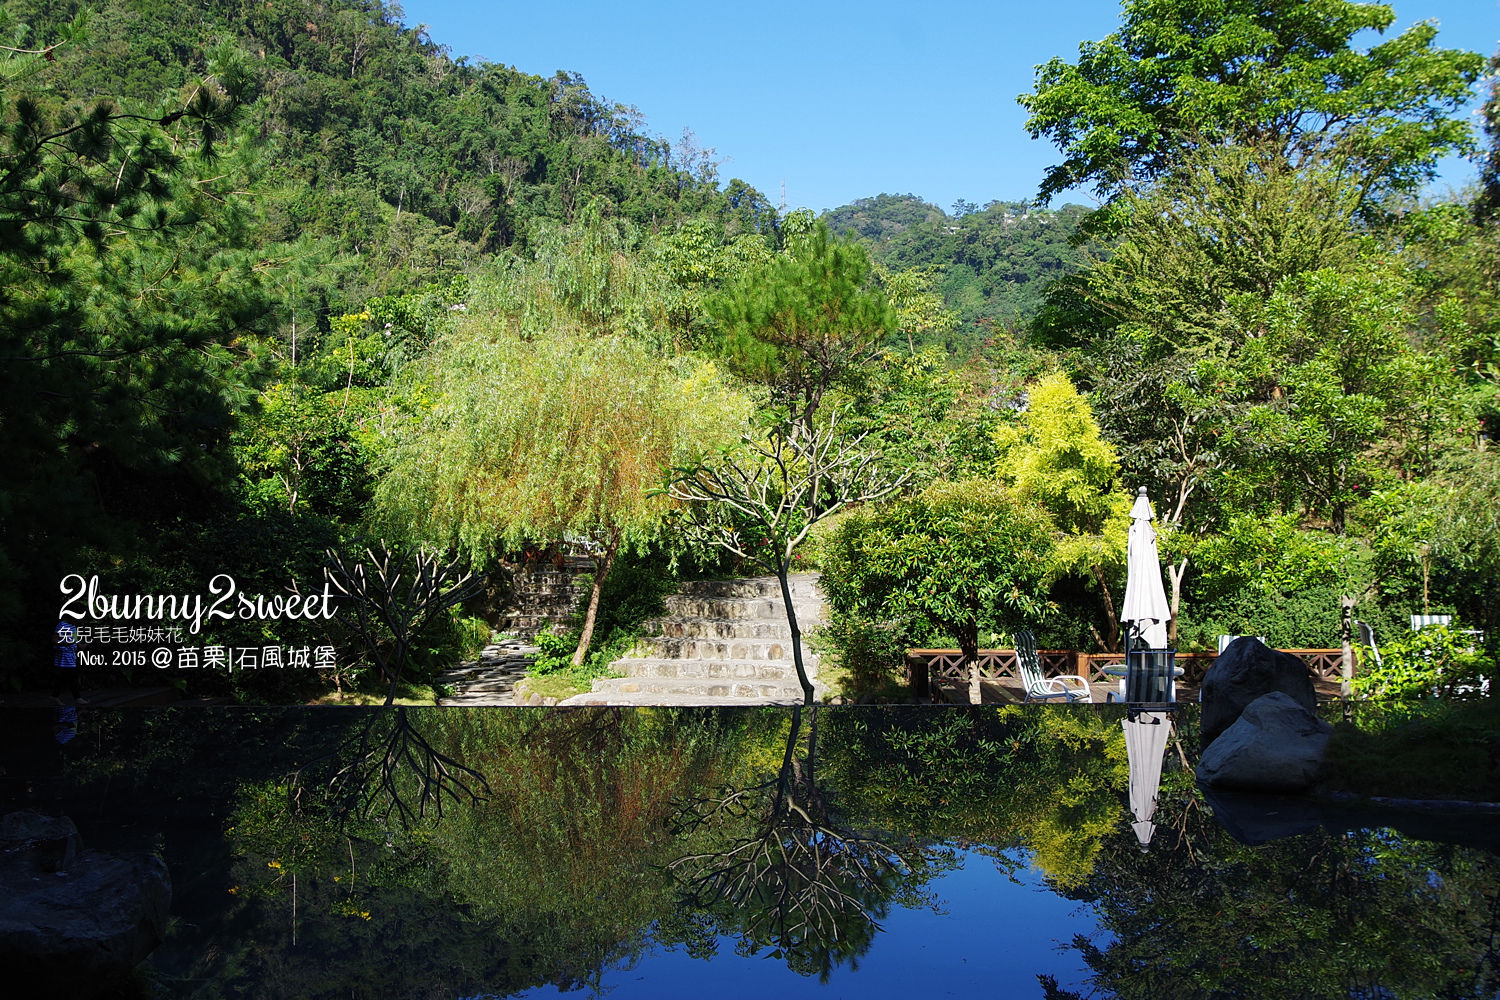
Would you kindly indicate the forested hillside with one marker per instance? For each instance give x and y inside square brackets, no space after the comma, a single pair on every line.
[992,266]
[283,277]
[215,214]
[375,141]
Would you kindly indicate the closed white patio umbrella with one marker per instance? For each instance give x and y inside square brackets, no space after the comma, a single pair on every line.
[1145,609]
[1146,613]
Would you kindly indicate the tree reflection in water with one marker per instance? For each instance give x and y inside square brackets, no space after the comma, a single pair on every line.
[597,837]
[798,880]
[1360,913]
[389,769]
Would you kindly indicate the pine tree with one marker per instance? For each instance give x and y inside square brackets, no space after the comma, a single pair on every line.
[121,284]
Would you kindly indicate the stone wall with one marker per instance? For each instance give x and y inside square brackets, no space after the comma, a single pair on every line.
[542,592]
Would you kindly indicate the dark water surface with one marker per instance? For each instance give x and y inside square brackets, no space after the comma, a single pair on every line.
[845,852]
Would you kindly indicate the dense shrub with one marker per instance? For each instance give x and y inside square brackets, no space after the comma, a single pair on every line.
[872,652]
[1434,661]
[957,561]
[556,645]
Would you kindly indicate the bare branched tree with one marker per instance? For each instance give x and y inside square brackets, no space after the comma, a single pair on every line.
[760,501]
[393,598]
[390,769]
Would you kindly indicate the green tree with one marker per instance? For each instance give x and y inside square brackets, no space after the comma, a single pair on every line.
[589,276]
[1434,662]
[926,416]
[1339,398]
[920,312]
[1056,458]
[804,321]
[1200,250]
[1253,352]
[302,448]
[1489,198]
[957,560]
[1466,536]
[1182,74]
[518,442]
[1454,265]
[698,258]
[126,278]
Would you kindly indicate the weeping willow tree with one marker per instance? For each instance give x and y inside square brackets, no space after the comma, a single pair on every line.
[518,442]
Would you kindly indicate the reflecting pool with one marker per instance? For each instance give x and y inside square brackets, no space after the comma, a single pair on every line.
[848,852]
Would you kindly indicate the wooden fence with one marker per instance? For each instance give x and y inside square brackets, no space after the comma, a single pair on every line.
[928,667]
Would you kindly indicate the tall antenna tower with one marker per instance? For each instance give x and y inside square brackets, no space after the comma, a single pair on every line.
[782,209]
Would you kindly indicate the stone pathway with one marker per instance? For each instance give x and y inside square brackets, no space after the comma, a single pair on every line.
[490,680]
[722,642]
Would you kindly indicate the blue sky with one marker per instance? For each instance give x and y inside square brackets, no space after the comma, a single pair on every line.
[842,100]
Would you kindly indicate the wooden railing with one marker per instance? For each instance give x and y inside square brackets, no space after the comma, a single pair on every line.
[929,667]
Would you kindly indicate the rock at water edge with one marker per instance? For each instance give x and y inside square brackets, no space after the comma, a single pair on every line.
[76,924]
[1276,745]
[1249,669]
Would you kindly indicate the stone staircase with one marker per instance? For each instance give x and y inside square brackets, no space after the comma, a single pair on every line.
[722,642]
[545,594]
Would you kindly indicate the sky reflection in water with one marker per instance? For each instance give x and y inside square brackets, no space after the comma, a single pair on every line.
[991,938]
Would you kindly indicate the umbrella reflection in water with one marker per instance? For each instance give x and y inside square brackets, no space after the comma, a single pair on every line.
[1149,668]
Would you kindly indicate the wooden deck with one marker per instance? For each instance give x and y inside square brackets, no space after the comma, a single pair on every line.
[940,675]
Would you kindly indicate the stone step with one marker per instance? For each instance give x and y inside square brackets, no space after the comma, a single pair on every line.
[712,688]
[527,624]
[752,608]
[668,647]
[761,670]
[681,627]
[491,679]
[721,642]
[688,699]
[542,593]
[804,586]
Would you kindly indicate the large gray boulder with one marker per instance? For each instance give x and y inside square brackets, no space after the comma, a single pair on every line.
[1276,745]
[74,922]
[49,842]
[1249,669]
